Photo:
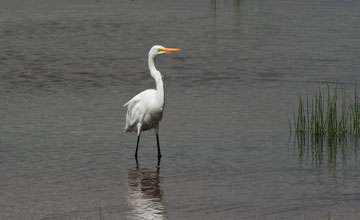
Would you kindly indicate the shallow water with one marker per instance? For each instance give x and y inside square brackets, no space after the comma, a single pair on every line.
[67,68]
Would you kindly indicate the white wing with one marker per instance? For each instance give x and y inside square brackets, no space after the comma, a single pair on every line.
[137,108]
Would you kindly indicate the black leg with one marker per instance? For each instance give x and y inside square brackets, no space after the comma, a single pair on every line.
[158,147]
[137,163]
[137,146]
[158,163]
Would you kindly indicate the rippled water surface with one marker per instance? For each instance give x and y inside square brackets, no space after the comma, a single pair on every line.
[67,67]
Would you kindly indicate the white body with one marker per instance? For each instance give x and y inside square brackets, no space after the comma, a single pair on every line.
[145,110]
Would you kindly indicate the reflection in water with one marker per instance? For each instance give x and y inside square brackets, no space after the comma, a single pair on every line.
[237,5]
[158,162]
[325,151]
[145,197]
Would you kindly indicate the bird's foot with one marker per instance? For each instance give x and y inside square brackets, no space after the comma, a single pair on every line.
[137,162]
[159,161]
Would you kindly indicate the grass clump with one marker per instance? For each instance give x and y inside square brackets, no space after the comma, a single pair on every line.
[328,113]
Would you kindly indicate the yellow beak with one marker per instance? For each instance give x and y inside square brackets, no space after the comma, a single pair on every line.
[169,50]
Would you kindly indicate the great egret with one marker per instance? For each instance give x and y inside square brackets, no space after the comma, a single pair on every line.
[145,110]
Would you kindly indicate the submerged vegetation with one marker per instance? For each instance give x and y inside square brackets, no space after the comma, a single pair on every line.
[234,4]
[326,123]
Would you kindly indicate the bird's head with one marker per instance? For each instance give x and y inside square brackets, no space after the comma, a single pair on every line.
[158,50]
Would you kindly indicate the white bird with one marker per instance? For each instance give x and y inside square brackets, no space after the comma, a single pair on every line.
[145,110]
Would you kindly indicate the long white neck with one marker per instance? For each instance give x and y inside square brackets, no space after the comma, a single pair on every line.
[160,96]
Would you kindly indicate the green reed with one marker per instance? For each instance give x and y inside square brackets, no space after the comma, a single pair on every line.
[327,113]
